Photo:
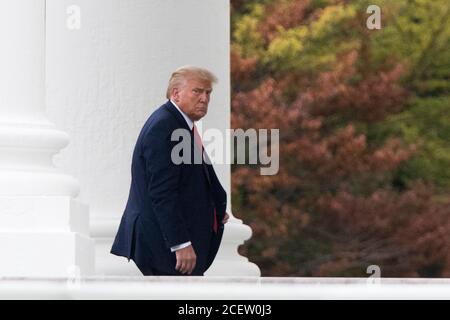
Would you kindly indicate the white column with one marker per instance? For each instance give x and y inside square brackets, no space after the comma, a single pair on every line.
[43,230]
[103,81]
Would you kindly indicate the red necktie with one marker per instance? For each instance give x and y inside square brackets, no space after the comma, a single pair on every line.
[199,143]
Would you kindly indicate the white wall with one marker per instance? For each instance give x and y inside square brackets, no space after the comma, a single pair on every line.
[104,79]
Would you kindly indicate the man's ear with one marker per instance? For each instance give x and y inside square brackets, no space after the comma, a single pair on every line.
[175,94]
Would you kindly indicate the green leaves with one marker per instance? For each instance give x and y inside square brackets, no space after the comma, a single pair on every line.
[364,119]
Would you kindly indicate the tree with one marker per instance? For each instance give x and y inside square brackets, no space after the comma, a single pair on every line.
[340,201]
[418,34]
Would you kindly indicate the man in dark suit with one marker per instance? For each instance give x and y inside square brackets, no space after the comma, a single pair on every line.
[174,218]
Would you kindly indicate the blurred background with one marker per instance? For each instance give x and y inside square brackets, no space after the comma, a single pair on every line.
[364,119]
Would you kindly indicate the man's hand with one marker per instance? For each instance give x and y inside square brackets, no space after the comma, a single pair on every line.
[225,218]
[186,260]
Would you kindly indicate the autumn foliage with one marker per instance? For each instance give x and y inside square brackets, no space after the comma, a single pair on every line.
[340,201]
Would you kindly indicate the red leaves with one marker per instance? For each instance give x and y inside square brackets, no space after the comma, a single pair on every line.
[386,227]
[241,68]
[370,99]
[286,14]
[334,207]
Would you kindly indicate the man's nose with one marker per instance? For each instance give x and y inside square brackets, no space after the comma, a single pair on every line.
[204,97]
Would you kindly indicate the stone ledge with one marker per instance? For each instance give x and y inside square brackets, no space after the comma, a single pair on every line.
[222,288]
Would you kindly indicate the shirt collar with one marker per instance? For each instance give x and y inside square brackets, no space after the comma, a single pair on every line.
[188,120]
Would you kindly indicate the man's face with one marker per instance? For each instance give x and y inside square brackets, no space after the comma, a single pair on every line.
[193,98]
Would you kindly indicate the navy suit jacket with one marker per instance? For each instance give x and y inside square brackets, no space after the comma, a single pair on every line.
[169,204]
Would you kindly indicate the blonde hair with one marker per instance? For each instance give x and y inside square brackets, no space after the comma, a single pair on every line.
[180,76]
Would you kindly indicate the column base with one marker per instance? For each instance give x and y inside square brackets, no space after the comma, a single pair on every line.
[46,254]
[228,261]
[45,236]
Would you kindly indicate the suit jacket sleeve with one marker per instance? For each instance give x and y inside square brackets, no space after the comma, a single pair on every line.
[163,178]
